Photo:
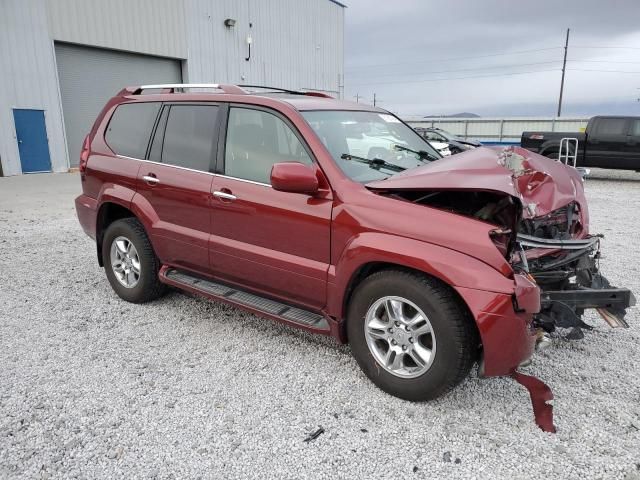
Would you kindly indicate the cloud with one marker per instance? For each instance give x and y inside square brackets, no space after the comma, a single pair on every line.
[417,56]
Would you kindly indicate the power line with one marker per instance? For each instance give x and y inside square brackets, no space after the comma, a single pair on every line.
[596,47]
[514,65]
[413,62]
[602,71]
[454,78]
[600,61]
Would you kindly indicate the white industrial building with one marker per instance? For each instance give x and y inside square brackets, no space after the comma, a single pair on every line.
[60,60]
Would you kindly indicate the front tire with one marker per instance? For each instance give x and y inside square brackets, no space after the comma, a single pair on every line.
[130,263]
[410,334]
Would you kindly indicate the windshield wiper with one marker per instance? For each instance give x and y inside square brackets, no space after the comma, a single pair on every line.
[421,153]
[376,163]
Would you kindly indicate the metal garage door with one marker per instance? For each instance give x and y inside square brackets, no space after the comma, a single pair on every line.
[90,76]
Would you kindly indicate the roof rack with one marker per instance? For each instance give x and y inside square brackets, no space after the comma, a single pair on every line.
[175,87]
[291,92]
[224,88]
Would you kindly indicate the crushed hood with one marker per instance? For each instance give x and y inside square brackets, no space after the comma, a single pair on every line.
[542,185]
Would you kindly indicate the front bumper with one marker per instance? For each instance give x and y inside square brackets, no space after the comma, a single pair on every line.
[505,323]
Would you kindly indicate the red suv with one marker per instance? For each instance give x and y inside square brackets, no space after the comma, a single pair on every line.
[338,218]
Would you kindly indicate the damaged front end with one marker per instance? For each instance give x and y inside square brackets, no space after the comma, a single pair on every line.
[565,265]
[542,227]
[539,224]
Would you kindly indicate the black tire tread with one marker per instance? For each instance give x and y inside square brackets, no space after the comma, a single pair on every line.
[153,288]
[465,330]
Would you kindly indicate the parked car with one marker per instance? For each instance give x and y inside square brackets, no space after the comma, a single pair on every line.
[442,148]
[608,142]
[366,138]
[264,201]
[455,143]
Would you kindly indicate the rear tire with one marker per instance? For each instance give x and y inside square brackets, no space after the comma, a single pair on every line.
[453,340]
[130,263]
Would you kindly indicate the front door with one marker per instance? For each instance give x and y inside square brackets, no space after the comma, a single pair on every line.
[176,181]
[33,145]
[275,242]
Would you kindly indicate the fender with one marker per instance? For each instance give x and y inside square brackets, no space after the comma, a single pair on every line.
[110,193]
[114,193]
[453,268]
[145,212]
[505,334]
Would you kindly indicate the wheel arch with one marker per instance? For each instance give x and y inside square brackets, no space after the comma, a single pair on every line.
[373,252]
[370,268]
[109,212]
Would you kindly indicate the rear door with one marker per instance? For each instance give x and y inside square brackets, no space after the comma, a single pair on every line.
[176,181]
[274,242]
[606,142]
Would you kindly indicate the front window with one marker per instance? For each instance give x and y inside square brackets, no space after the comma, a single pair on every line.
[256,140]
[352,138]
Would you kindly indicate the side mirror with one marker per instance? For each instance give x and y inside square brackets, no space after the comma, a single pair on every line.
[294,177]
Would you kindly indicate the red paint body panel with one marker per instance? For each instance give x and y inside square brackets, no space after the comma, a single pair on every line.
[530,177]
[271,240]
[307,249]
[507,337]
[294,177]
[181,218]
[87,208]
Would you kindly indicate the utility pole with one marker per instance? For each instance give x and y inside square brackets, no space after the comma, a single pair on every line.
[357,97]
[564,68]
[374,99]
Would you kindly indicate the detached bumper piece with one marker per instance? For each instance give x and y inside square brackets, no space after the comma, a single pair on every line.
[540,394]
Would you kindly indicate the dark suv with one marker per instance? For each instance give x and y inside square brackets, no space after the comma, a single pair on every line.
[331,216]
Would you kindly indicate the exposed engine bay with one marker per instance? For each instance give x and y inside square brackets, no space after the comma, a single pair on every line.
[552,246]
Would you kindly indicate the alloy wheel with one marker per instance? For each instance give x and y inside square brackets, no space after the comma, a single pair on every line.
[400,337]
[125,262]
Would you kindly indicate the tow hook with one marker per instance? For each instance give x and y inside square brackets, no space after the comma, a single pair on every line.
[540,394]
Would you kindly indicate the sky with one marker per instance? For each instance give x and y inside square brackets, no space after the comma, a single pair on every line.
[417,56]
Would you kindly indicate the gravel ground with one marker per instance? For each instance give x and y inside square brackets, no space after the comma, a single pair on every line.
[93,387]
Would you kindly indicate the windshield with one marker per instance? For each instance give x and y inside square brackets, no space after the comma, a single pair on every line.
[349,135]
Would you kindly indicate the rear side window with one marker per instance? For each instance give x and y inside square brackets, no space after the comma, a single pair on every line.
[129,129]
[612,126]
[189,137]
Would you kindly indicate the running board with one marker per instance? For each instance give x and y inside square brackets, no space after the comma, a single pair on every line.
[235,296]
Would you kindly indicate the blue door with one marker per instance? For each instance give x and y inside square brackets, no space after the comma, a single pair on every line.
[31,134]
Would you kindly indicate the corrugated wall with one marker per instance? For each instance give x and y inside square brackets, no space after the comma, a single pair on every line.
[28,79]
[296,43]
[154,27]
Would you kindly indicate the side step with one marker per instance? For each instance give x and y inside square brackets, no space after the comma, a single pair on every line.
[233,295]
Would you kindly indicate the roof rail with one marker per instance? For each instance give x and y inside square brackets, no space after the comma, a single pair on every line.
[224,88]
[175,87]
[292,92]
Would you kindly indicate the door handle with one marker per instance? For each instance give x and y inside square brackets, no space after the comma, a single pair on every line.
[224,195]
[151,179]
